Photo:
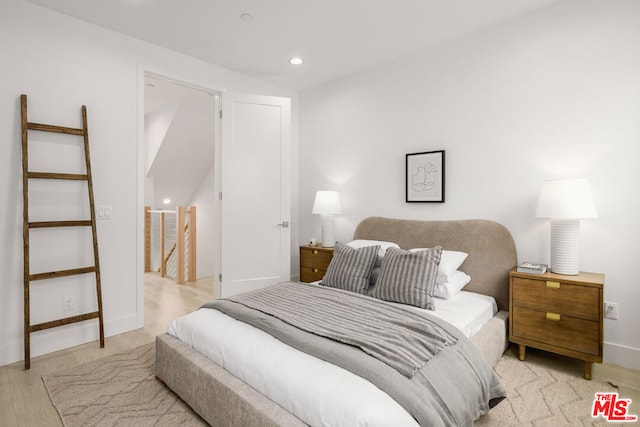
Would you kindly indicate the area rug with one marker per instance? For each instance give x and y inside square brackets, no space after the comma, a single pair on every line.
[121,390]
[539,395]
[118,390]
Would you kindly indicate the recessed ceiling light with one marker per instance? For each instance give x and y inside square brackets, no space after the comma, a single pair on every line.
[246,17]
[296,60]
[166,201]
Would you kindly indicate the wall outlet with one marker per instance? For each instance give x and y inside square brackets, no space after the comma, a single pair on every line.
[611,310]
[67,303]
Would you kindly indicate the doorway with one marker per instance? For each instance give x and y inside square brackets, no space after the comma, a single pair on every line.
[180,138]
[253,142]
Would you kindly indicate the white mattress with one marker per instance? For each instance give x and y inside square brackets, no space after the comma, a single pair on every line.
[317,392]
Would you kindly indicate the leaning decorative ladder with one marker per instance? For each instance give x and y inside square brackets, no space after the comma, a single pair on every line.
[28,277]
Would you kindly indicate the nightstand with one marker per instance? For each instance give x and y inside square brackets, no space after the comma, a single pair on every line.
[558,313]
[314,261]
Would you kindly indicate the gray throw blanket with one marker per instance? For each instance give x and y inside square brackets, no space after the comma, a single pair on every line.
[454,386]
[402,339]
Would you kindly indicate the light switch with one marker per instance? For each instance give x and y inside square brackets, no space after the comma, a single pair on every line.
[103,211]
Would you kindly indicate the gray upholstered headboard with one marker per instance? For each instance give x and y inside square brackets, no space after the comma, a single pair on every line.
[492,253]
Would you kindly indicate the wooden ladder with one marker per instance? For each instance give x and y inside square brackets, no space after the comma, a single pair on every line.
[28,277]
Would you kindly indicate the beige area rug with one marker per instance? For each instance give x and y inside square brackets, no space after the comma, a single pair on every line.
[118,390]
[121,390]
[539,395]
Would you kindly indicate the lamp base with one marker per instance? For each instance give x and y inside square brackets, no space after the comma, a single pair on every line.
[565,246]
[328,234]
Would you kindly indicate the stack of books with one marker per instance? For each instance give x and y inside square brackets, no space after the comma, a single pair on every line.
[531,268]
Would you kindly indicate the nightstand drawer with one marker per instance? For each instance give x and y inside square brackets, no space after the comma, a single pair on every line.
[314,261]
[311,274]
[558,297]
[556,329]
[315,258]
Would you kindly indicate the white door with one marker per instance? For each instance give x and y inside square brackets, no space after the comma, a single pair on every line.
[255,211]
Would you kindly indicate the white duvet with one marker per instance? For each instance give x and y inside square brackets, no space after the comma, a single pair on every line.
[317,392]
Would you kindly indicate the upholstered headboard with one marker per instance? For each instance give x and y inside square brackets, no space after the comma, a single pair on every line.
[492,253]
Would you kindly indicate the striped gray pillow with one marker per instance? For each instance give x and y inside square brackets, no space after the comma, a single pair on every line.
[408,277]
[350,268]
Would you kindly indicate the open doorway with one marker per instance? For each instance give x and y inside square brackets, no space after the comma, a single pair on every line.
[180,136]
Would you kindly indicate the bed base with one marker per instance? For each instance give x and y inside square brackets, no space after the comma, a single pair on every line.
[224,400]
[218,397]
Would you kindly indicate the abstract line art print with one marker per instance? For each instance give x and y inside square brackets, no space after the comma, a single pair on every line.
[425,177]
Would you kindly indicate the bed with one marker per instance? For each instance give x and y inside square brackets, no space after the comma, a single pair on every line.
[223,399]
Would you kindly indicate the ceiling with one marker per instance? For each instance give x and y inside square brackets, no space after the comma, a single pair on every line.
[334,37]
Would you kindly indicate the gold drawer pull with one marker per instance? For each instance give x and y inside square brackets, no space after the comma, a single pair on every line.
[552,316]
[315,270]
[315,252]
[554,285]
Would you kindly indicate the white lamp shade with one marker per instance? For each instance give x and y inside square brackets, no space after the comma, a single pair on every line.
[566,199]
[327,203]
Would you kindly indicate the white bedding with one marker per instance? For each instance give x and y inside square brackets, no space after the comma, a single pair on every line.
[317,392]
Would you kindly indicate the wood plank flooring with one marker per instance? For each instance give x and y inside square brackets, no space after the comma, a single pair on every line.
[24,401]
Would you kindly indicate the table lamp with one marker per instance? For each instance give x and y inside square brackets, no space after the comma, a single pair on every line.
[327,204]
[565,202]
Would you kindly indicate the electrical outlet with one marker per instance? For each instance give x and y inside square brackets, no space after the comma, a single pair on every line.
[611,310]
[67,303]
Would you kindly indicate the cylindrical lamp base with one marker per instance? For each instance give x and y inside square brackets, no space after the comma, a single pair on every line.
[328,234]
[565,246]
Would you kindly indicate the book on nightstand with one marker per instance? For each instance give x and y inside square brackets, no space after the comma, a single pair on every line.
[531,268]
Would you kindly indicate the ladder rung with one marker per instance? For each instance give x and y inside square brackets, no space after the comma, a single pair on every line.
[65,321]
[47,224]
[52,128]
[53,175]
[61,273]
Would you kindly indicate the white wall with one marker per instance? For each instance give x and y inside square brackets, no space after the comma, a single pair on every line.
[62,63]
[551,94]
[204,200]
[156,125]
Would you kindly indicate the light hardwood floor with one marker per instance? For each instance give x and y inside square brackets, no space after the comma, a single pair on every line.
[24,401]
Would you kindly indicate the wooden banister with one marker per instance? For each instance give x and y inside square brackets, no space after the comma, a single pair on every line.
[183,229]
[147,239]
[192,244]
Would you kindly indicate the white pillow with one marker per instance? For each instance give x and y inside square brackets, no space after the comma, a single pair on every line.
[383,247]
[453,284]
[449,262]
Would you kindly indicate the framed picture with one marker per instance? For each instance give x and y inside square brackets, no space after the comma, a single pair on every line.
[425,177]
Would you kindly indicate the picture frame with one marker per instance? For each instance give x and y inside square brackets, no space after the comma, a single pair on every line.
[425,177]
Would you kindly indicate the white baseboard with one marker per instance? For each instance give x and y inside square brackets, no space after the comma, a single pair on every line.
[65,337]
[621,355]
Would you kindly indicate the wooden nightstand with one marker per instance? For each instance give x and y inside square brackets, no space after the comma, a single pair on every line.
[314,261]
[558,313]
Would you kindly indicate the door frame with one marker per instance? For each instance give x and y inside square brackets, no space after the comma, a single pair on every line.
[144,70]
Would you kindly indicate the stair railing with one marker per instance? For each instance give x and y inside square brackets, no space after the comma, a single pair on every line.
[182,254]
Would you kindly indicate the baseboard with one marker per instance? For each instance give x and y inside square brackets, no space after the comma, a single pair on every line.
[621,355]
[64,337]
